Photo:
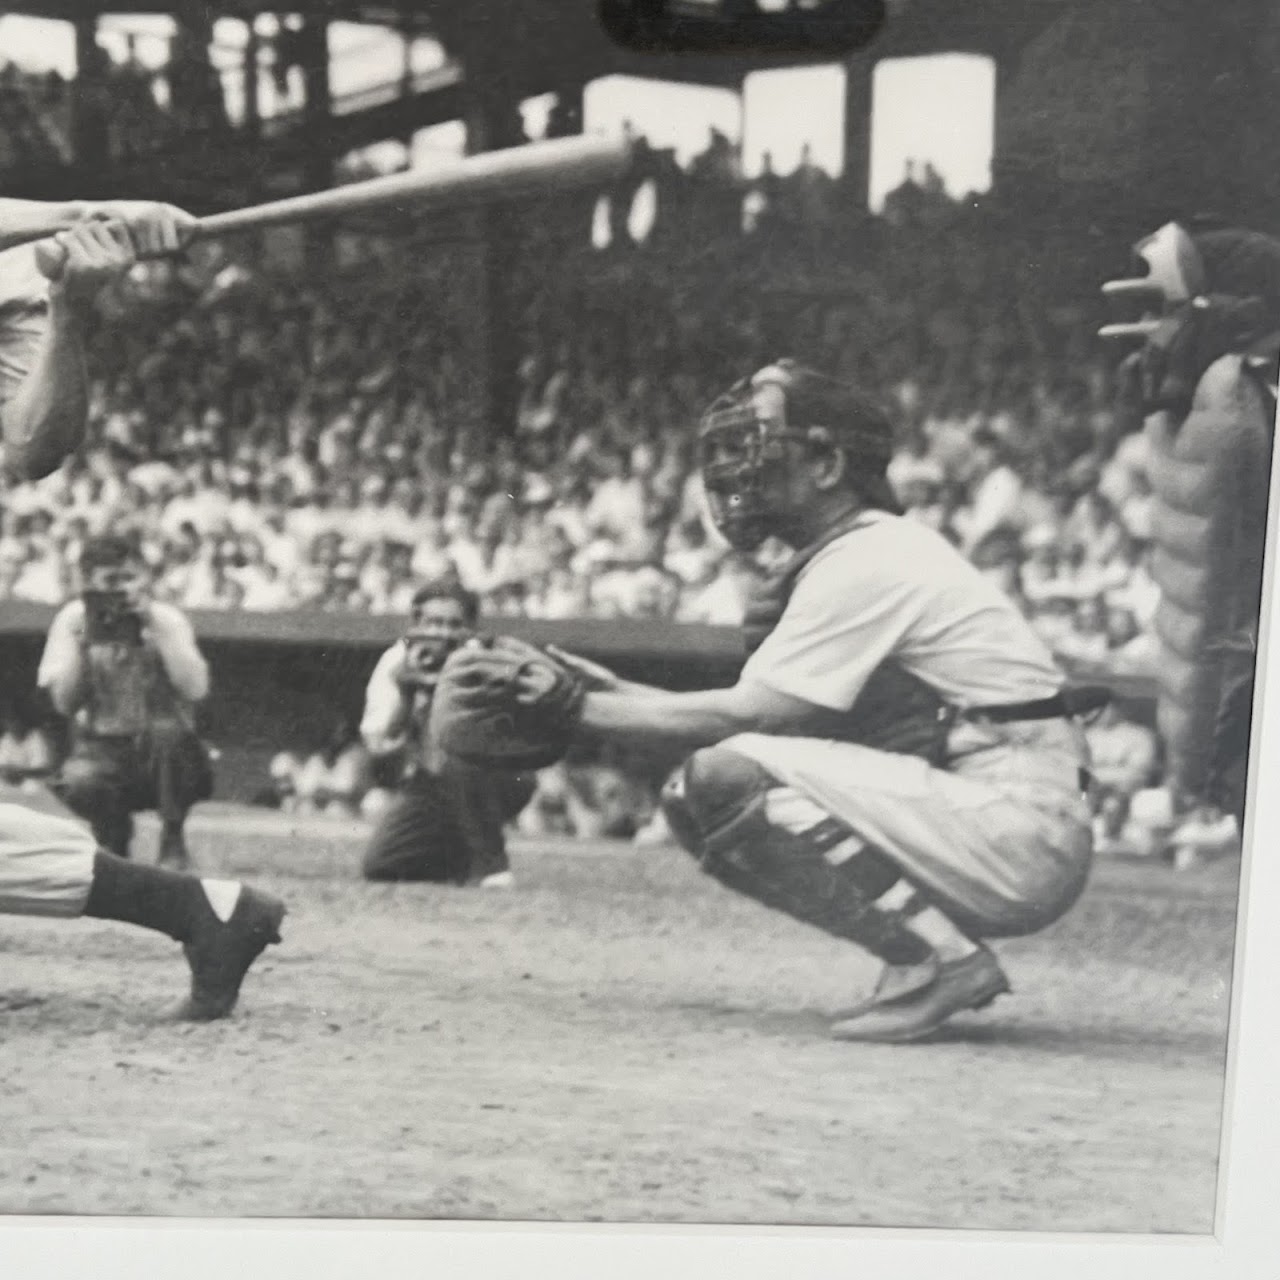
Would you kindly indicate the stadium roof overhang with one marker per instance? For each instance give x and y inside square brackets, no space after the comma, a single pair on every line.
[563,41]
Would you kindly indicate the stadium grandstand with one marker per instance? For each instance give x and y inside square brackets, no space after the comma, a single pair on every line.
[300,428]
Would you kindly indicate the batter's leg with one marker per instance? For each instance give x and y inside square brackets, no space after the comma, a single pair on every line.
[52,866]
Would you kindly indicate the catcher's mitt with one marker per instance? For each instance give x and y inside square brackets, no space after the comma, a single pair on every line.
[505,703]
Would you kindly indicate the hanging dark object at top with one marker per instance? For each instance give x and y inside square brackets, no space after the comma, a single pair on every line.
[766,28]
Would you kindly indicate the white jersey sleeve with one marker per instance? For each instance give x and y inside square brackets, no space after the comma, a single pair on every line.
[24,305]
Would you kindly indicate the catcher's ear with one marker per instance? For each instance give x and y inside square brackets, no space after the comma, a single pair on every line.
[828,457]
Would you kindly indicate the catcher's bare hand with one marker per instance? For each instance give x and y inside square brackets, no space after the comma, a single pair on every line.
[599,679]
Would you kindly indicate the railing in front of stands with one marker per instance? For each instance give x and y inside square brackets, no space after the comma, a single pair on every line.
[649,642]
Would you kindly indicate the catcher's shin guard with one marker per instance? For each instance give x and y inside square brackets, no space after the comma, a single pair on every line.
[771,843]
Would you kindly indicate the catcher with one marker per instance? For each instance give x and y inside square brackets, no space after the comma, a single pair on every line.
[446,823]
[898,764]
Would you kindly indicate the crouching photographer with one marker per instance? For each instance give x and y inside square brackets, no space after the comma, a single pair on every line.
[446,823]
[128,674]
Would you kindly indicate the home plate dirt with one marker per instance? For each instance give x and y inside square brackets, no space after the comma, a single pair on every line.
[616,1039]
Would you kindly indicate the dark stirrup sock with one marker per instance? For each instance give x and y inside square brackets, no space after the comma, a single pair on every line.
[152,897]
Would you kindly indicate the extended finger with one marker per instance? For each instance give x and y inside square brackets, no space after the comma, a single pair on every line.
[571,659]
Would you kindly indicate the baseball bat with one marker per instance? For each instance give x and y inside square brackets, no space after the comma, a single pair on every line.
[492,176]
[487,178]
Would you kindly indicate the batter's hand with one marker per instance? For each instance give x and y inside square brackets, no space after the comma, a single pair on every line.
[110,239]
[79,261]
[155,229]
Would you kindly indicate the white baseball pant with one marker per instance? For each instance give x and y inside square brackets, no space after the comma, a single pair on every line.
[1002,837]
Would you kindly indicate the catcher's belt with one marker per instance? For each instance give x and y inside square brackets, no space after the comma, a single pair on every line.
[1082,701]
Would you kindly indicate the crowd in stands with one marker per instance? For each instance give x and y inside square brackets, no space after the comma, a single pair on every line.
[302,443]
[122,117]
[280,440]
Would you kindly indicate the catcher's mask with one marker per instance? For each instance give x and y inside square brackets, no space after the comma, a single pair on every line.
[749,437]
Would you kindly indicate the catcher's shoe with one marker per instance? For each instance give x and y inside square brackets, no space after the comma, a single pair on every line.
[896,982]
[918,1011]
[220,953]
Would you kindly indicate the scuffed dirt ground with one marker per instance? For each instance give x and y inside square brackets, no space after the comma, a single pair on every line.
[618,1039]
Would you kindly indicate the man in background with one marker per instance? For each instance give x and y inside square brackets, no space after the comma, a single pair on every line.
[128,673]
[447,822]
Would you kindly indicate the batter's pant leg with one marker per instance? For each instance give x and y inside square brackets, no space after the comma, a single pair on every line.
[46,863]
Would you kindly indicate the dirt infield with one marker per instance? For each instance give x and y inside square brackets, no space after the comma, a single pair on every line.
[617,1039]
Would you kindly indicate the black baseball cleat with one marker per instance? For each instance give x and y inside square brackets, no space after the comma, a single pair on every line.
[220,953]
[959,985]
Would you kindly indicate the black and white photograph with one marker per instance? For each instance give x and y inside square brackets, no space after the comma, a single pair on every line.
[615,631]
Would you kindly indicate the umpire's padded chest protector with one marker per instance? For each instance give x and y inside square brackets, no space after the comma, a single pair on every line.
[1209,474]
[896,711]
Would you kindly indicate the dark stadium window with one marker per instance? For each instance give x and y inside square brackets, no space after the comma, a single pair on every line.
[762,27]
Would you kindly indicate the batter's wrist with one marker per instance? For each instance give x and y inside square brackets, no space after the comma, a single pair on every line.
[68,312]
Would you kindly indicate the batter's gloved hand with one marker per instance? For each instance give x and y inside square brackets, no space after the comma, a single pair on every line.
[505,703]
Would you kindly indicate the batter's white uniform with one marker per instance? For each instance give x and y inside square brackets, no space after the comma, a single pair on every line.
[1004,833]
[46,862]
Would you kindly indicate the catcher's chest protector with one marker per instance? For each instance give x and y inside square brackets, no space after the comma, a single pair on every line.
[891,697]
[1209,475]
